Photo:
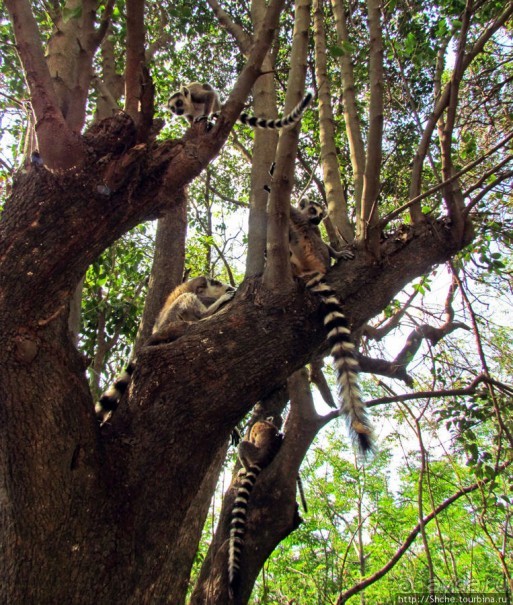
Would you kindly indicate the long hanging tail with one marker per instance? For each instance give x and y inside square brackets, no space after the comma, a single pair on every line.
[109,400]
[238,523]
[287,120]
[342,349]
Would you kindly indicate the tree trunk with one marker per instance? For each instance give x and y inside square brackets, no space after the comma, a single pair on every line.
[90,516]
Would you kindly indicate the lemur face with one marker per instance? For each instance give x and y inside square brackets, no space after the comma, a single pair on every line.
[312,210]
[176,104]
[215,288]
[180,102]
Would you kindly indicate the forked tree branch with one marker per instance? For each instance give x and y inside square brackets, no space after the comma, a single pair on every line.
[369,215]
[440,105]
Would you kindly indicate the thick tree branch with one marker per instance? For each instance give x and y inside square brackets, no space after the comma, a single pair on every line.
[129,185]
[277,273]
[264,151]
[60,152]
[168,264]
[452,193]
[135,57]
[274,491]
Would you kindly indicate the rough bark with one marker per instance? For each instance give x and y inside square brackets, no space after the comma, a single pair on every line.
[60,148]
[68,519]
[135,57]
[110,502]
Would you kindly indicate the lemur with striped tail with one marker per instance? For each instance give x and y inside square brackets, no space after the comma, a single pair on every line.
[185,304]
[198,102]
[256,451]
[310,259]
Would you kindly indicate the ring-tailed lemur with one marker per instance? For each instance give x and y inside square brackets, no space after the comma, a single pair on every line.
[304,249]
[256,451]
[310,258]
[184,304]
[198,102]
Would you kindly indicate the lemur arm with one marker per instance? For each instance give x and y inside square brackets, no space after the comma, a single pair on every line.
[249,454]
[338,254]
[218,304]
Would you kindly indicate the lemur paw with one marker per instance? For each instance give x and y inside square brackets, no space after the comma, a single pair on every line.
[345,254]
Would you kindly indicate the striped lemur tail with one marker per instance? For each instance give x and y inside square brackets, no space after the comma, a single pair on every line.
[108,402]
[283,122]
[342,350]
[256,451]
[238,521]
[310,258]
[183,305]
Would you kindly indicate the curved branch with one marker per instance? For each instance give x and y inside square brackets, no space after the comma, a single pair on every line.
[242,39]
[441,104]
[471,389]
[385,368]
[357,588]
[385,220]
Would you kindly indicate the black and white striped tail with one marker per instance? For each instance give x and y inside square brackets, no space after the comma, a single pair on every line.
[287,120]
[342,349]
[238,523]
[109,400]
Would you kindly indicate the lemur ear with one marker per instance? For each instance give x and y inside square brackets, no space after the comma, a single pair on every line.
[303,202]
[185,91]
